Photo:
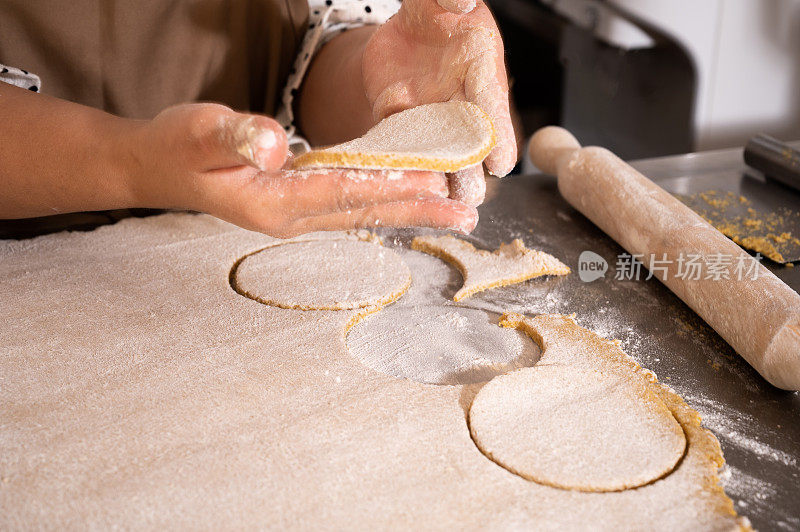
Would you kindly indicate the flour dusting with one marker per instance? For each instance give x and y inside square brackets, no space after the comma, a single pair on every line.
[427,337]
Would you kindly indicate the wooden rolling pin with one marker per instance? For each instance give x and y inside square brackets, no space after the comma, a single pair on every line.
[759,318]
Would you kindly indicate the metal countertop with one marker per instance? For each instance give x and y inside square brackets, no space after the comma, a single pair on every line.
[757,424]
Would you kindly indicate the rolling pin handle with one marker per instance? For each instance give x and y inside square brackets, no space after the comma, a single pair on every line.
[550,147]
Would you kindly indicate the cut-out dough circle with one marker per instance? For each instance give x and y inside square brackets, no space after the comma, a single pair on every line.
[576,429]
[322,275]
[439,344]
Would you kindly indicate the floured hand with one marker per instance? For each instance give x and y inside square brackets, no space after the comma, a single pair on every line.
[431,52]
[209,158]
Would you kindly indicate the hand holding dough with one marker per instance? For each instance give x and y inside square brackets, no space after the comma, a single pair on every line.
[436,52]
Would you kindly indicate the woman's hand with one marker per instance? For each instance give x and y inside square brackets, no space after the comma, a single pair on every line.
[209,158]
[433,53]
[428,52]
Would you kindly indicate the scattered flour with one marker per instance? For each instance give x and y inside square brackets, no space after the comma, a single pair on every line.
[733,430]
[427,337]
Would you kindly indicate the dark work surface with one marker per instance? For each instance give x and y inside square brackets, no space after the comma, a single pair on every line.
[757,424]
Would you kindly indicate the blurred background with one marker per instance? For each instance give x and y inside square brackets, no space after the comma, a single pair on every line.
[647,78]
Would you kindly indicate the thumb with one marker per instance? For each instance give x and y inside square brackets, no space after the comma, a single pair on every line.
[254,140]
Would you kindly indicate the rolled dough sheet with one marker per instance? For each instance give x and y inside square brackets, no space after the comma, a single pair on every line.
[482,270]
[139,390]
[444,137]
[322,275]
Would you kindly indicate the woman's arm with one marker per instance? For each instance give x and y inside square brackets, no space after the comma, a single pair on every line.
[57,156]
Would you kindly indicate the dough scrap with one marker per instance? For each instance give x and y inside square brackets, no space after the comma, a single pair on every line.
[319,275]
[439,345]
[443,137]
[511,263]
[576,429]
[564,342]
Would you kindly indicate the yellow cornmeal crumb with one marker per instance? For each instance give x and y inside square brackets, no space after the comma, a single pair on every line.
[759,245]
[763,233]
[752,222]
[714,202]
[783,237]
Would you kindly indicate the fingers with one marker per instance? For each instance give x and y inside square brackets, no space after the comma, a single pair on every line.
[273,202]
[474,58]
[437,213]
[322,192]
[468,185]
[503,157]
[485,85]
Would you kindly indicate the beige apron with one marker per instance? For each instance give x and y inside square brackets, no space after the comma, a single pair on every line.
[136,57]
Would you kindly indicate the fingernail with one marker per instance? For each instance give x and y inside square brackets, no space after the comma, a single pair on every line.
[457,6]
[263,144]
[251,139]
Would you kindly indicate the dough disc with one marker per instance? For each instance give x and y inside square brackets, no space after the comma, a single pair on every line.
[322,275]
[576,429]
[439,344]
[445,137]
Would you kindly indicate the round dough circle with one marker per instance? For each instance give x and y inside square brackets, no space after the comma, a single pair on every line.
[576,429]
[322,275]
[439,344]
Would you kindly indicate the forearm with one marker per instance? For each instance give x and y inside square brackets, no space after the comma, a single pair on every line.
[333,105]
[57,156]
